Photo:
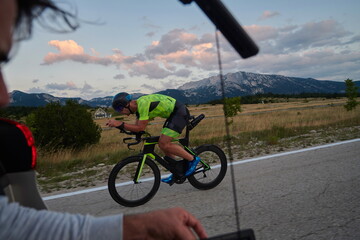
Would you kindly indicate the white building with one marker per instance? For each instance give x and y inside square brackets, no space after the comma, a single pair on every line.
[100,113]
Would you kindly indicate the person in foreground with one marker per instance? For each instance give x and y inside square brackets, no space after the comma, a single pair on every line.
[28,218]
[147,108]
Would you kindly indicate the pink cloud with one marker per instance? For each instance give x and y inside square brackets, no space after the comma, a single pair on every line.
[179,49]
[268,14]
[70,50]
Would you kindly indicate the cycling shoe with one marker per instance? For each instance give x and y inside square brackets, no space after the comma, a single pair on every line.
[192,166]
[168,179]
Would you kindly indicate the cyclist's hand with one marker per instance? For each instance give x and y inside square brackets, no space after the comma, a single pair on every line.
[113,123]
[173,223]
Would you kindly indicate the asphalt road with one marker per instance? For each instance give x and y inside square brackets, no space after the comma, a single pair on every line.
[312,194]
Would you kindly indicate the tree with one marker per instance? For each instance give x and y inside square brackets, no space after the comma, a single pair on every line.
[351,93]
[231,107]
[70,126]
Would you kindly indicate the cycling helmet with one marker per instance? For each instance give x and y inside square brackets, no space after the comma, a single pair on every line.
[120,101]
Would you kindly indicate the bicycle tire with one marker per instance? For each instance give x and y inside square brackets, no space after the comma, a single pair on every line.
[203,178]
[122,187]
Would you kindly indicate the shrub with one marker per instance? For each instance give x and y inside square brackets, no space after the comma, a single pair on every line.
[70,126]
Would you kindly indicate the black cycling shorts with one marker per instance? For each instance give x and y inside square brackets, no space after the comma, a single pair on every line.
[177,121]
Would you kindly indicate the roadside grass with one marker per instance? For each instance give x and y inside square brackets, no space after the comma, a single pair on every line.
[258,129]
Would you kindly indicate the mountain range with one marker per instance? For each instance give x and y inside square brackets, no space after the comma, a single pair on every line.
[205,90]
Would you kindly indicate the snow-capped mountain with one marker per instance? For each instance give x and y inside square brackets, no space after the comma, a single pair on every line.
[205,90]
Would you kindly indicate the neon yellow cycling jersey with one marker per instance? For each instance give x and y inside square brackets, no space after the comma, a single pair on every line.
[154,105]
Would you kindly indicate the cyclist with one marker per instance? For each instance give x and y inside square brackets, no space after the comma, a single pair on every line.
[147,108]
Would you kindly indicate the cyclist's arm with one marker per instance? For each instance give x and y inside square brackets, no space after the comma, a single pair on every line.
[139,126]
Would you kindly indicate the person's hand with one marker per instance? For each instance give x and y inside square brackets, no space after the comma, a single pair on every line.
[113,123]
[167,224]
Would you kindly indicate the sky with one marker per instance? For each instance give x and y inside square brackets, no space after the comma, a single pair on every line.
[152,45]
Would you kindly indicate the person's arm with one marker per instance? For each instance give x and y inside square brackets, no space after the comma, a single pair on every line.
[139,125]
[18,222]
[173,223]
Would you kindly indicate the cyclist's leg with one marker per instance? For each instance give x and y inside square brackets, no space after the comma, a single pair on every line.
[171,149]
[172,129]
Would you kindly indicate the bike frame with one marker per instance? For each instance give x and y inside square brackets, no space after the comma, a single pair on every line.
[148,152]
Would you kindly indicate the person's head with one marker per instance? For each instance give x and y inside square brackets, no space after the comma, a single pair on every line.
[121,103]
[8,13]
[17,150]
[16,21]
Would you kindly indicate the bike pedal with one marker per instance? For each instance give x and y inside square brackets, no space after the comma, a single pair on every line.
[180,180]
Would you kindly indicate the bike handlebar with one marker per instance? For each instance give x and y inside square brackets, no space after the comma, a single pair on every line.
[193,121]
[137,137]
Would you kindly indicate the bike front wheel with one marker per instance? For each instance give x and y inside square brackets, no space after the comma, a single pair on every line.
[126,189]
[212,168]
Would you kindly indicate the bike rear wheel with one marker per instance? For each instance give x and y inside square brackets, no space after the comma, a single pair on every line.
[123,187]
[212,168]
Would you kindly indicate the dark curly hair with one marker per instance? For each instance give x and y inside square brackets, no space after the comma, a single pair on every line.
[46,13]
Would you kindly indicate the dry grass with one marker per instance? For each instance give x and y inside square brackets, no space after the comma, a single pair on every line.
[296,114]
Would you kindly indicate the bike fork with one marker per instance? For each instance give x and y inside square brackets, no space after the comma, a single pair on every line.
[139,169]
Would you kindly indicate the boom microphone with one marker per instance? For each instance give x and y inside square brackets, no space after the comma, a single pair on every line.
[224,21]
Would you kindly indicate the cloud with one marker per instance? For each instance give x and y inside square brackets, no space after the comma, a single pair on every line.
[70,50]
[183,73]
[150,34]
[262,33]
[299,50]
[326,64]
[150,87]
[172,84]
[268,14]
[148,24]
[161,59]
[35,81]
[119,76]
[86,87]
[297,38]
[313,34]
[57,86]
[173,41]
[148,69]
[35,90]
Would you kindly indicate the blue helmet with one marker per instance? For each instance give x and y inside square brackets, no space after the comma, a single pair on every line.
[120,101]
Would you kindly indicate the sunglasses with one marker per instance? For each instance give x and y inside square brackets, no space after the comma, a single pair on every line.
[120,108]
